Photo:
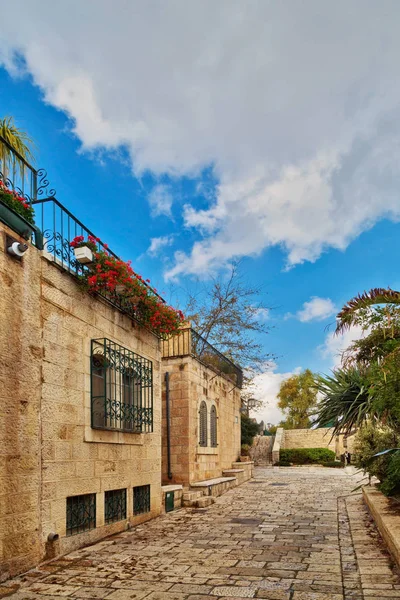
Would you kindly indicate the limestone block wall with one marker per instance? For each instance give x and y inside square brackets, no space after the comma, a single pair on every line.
[77,459]
[308,438]
[47,447]
[21,351]
[191,382]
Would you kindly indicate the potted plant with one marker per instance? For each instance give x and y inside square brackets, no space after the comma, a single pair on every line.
[16,212]
[84,249]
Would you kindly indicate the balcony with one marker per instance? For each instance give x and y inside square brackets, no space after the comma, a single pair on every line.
[190,343]
[52,227]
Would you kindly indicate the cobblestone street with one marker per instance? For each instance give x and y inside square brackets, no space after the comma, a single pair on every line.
[288,534]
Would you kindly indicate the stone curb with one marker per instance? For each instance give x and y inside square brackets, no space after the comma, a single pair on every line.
[386,514]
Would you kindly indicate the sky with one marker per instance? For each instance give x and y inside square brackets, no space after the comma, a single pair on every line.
[189,134]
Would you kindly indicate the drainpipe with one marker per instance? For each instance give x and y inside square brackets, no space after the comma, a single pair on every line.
[168,425]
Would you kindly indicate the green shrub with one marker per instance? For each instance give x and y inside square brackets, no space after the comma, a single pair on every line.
[244,450]
[282,463]
[370,440]
[306,456]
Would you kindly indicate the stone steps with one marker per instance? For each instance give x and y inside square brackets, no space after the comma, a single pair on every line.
[196,499]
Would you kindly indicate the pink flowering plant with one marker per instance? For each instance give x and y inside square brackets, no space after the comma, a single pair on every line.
[108,275]
[17,203]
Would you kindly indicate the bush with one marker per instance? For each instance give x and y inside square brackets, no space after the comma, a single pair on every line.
[306,456]
[370,440]
[282,463]
[244,450]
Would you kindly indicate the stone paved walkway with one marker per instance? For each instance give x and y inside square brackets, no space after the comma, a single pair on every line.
[290,534]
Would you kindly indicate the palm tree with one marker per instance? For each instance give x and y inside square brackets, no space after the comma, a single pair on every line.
[349,313]
[15,148]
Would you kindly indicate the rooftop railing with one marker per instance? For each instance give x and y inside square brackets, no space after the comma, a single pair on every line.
[191,343]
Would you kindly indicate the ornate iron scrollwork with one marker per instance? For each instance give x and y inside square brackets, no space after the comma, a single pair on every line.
[43,184]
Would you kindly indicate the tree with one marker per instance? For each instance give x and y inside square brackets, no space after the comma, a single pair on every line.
[19,141]
[249,429]
[229,314]
[297,399]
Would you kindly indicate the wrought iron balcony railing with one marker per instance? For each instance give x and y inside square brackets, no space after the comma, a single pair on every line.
[19,175]
[190,343]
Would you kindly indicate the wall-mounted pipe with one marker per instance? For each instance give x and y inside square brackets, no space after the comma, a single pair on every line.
[167,400]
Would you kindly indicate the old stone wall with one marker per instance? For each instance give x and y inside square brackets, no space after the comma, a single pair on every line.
[21,350]
[48,449]
[308,438]
[191,382]
[311,438]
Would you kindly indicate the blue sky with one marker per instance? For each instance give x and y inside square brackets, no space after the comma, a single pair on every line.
[215,133]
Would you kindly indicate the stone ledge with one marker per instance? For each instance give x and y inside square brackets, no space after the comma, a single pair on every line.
[386,514]
[171,488]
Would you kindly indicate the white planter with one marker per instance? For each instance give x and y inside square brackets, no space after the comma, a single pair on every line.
[84,255]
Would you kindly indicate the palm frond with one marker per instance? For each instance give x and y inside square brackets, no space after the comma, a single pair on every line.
[18,140]
[346,402]
[347,316]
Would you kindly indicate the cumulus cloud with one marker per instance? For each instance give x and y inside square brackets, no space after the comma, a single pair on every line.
[267,386]
[316,309]
[160,200]
[297,112]
[159,242]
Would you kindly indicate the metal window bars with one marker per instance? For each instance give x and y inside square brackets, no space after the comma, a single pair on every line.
[191,343]
[121,388]
[81,513]
[141,499]
[114,505]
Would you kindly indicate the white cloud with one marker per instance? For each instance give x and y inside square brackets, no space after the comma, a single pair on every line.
[334,345]
[267,386]
[261,314]
[297,111]
[316,309]
[160,200]
[160,242]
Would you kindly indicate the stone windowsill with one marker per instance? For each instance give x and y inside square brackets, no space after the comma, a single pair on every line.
[207,450]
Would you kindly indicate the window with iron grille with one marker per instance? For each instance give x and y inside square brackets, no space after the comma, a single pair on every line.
[121,388]
[81,513]
[115,505]
[141,499]
[213,427]
[203,424]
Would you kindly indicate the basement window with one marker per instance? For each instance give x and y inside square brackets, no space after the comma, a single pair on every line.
[115,506]
[81,513]
[141,499]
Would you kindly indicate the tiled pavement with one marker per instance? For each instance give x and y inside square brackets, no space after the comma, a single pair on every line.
[288,534]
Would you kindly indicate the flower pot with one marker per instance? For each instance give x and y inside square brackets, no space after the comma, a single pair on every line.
[84,255]
[16,222]
[245,459]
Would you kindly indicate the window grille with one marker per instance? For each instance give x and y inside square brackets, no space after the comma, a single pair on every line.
[213,427]
[81,513]
[141,499]
[121,388]
[203,424]
[115,505]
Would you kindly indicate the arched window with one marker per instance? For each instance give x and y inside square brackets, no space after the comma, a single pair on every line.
[203,424]
[213,427]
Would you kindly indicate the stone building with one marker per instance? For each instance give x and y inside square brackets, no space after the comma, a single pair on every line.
[80,426]
[200,411]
